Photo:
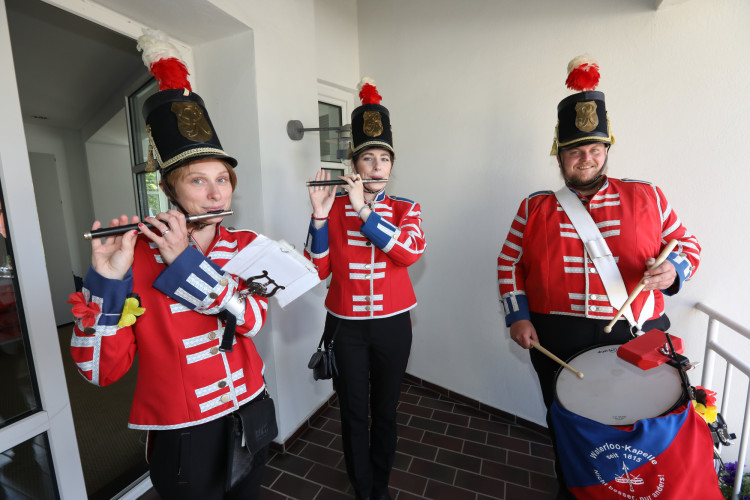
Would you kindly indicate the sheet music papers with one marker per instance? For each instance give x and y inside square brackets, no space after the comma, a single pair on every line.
[284,264]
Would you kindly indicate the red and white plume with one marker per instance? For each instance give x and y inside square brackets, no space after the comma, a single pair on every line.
[368,93]
[163,60]
[583,73]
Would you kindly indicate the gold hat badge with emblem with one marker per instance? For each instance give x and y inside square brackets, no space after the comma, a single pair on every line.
[373,125]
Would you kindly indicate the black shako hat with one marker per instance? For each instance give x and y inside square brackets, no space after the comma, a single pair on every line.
[371,122]
[179,128]
[582,117]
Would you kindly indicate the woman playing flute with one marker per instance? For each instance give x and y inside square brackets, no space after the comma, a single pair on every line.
[366,240]
[162,295]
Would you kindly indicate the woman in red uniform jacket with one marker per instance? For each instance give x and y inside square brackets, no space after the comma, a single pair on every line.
[190,394]
[366,240]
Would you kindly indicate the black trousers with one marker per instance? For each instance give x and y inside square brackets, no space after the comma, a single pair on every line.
[371,356]
[191,463]
[566,336]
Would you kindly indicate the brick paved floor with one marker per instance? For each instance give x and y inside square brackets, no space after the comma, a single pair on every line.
[448,448]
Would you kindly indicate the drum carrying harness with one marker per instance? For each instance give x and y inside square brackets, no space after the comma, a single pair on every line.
[601,256]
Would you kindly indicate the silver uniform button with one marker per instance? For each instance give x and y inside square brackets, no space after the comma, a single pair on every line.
[592,270]
[224,282]
[367,308]
[592,308]
[225,398]
[213,295]
[212,336]
[367,298]
[222,384]
[214,350]
[367,276]
[593,296]
[367,266]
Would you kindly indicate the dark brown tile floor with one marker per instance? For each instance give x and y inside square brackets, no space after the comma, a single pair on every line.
[449,448]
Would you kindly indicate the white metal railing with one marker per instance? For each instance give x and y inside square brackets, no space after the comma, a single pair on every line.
[713,349]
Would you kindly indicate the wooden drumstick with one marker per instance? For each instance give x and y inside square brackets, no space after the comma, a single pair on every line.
[659,261]
[554,358]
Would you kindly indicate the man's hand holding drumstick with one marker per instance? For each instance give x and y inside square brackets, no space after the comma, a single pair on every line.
[660,276]
[524,334]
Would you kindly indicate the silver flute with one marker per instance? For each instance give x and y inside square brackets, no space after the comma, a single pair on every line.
[111,231]
[339,182]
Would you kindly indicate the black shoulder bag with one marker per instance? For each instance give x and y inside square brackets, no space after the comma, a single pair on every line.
[323,361]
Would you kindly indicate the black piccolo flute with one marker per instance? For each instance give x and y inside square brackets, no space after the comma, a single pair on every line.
[111,231]
[339,182]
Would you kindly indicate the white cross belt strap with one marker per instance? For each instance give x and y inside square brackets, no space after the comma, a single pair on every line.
[601,256]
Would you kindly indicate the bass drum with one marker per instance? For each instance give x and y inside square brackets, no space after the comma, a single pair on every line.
[615,392]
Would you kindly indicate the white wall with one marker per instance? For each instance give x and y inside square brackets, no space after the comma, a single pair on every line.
[67,148]
[111,180]
[336,43]
[473,87]
[54,238]
[284,36]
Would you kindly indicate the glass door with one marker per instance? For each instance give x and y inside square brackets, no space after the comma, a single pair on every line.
[38,450]
[26,468]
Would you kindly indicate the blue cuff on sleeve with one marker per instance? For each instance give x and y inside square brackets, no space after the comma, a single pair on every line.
[112,292]
[317,239]
[684,269]
[189,279]
[379,231]
[516,308]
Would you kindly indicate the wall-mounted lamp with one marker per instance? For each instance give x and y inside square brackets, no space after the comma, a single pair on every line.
[296,131]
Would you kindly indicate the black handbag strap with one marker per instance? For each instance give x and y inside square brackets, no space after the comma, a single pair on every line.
[227,338]
[335,331]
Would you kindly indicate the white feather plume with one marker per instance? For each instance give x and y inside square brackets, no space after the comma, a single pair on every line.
[580,60]
[156,46]
[365,80]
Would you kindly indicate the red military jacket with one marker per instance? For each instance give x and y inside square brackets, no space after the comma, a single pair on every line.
[183,377]
[368,262]
[543,266]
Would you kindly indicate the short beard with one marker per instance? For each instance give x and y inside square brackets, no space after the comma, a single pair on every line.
[585,185]
[591,183]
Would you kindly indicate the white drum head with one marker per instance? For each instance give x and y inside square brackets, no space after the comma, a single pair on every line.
[615,392]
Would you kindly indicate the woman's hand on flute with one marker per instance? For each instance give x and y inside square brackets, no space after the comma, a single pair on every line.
[170,234]
[321,198]
[112,256]
[356,189]
[523,332]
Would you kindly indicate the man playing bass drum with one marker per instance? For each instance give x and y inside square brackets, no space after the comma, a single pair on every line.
[550,289]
